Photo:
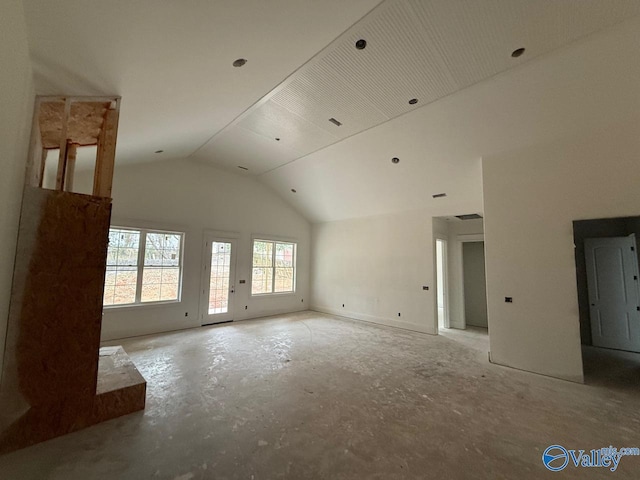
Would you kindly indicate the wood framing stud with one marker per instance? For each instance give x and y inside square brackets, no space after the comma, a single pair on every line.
[35,170]
[66,124]
[43,164]
[62,156]
[72,151]
[105,160]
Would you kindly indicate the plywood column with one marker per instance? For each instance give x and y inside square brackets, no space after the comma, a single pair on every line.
[51,378]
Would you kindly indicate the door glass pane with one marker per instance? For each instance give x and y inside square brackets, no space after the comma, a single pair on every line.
[219,279]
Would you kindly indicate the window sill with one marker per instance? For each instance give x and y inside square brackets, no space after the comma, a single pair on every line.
[268,295]
[137,306]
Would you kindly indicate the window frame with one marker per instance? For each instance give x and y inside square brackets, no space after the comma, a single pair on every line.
[274,240]
[138,303]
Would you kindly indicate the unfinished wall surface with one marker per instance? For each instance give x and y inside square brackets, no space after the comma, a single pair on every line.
[50,379]
[531,197]
[190,197]
[16,94]
[376,267]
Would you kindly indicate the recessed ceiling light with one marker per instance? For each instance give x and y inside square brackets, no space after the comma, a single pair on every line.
[240,62]
[439,195]
[517,52]
[159,151]
[413,101]
[294,190]
[395,160]
[361,44]
[242,168]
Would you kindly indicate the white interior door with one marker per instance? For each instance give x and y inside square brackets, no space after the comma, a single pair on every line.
[218,280]
[612,279]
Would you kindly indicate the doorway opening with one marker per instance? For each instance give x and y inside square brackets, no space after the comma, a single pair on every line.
[474,284]
[442,288]
[460,282]
[606,256]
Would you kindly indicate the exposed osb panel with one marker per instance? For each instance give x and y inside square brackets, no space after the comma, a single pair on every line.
[84,125]
[49,380]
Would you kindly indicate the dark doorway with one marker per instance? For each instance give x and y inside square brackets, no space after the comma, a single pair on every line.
[603,366]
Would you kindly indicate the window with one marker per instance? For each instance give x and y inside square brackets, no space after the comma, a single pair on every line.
[274,267]
[143,266]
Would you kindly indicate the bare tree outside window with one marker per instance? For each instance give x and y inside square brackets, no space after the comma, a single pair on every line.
[142,266]
[274,266]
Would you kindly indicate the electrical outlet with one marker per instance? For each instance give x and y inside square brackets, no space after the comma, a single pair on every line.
[508,299]
[343,305]
[186,314]
[399,314]
[246,306]
[424,287]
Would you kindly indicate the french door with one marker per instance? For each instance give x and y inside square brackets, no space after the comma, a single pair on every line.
[218,279]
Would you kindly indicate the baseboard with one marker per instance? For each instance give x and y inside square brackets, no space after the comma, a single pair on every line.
[269,313]
[566,378]
[372,319]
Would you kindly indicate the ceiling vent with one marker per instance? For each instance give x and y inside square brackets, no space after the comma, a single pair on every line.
[335,122]
[469,216]
[439,195]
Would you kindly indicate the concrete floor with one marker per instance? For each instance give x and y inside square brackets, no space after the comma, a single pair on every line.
[312,396]
[614,369]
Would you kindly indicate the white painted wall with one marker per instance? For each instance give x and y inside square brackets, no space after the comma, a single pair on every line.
[16,98]
[531,198]
[192,197]
[475,284]
[376,267]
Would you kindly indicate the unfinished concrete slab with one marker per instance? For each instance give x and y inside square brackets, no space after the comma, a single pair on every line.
[313,396]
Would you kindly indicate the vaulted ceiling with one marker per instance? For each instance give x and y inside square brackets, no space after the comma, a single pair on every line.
[172,64]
